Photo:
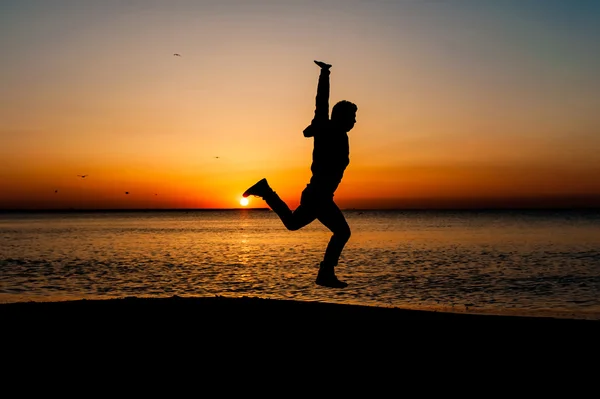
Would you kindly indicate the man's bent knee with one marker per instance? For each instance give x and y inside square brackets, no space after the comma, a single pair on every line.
[343,234]
[292,225]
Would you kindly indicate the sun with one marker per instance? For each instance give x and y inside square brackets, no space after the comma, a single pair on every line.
[244,201]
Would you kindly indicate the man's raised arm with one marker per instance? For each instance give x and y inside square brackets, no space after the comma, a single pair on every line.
[322,100]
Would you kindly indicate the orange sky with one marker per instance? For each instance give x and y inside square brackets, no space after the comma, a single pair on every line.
[461,104]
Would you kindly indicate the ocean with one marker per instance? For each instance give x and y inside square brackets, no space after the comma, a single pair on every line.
[530,262]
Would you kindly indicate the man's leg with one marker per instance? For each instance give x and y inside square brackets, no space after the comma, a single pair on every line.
[302,216]
[295,220]
[332,217]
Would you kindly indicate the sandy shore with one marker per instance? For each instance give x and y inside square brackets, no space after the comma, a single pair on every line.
[198,309]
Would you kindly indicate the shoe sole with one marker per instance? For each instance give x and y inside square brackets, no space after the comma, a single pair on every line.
[343,285]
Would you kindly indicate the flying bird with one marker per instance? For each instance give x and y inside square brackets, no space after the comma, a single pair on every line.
[177,55]
[55,191]
[126,192]
[82,176]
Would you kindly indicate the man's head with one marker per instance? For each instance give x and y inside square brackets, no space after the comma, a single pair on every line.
[343,114]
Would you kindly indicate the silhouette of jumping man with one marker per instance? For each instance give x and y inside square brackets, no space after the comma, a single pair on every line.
[330,158]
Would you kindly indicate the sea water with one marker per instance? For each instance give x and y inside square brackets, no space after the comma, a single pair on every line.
[540,263]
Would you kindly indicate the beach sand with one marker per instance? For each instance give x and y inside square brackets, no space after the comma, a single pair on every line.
[190,310]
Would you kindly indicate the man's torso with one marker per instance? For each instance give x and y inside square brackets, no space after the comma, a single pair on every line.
[330,158]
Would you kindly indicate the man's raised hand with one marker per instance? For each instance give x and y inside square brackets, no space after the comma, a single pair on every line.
[322,64]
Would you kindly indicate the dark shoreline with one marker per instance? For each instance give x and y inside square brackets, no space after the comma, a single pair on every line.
[188,310]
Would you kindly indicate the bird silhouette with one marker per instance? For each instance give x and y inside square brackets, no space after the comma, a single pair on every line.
[177,55]
[55,191]
[82,176]
[126,192]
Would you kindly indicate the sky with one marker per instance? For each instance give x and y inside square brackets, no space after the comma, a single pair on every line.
[461,103]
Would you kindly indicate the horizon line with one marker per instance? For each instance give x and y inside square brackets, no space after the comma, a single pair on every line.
[436,209]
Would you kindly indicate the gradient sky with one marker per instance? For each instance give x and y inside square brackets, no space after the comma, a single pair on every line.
[461,102]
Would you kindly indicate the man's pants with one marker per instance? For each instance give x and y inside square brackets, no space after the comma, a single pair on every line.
[313,206]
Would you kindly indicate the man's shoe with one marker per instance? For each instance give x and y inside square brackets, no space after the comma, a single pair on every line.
[322,64]
[260,189]
[330,281]
[326,277]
